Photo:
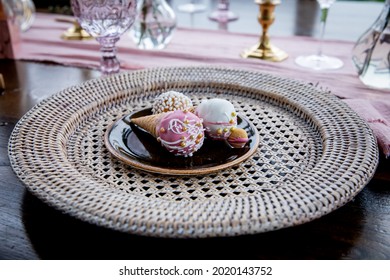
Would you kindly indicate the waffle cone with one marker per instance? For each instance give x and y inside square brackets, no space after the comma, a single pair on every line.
[148,123]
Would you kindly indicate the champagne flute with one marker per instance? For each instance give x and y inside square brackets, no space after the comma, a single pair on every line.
[106,20]
[320,61]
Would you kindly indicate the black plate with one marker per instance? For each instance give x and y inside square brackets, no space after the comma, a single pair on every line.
[141,150]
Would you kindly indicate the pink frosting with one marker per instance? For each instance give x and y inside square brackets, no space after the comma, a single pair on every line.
[181,133]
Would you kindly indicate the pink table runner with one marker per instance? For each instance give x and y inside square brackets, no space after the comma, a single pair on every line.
[218,48]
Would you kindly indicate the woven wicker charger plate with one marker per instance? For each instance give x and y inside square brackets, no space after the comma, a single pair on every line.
[315,155]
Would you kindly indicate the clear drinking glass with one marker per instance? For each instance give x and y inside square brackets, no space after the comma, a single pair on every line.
[154,25]
[22,12]
[320,61]
[371,53]
[222,13]
[106,20]
[194,6]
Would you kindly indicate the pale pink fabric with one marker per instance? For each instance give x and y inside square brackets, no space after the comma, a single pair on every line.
[218,48]
[371,112]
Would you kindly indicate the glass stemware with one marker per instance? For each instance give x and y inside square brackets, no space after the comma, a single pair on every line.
[194,6]
[222,13]
[106,20]
[320,61]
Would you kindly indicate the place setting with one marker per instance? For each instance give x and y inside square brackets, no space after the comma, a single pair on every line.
[198,147]
[103,159]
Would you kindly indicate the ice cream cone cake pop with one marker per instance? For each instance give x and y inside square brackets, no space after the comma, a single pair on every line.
[180,132]
[219,117]
[149,123]
[171,101]
[238,138]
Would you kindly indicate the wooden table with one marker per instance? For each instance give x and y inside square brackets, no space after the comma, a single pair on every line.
[29,229]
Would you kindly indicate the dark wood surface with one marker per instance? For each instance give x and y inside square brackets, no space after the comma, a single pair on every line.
[30,229]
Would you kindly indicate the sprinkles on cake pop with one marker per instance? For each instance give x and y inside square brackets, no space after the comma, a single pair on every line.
[182,133]
[171,101]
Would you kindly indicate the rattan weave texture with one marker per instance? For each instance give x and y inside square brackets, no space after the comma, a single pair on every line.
[315,155]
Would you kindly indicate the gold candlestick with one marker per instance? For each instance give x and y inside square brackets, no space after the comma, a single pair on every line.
[264,49]
[75,32]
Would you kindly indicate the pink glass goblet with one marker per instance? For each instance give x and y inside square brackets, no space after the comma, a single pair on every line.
[106,20]
[222,14]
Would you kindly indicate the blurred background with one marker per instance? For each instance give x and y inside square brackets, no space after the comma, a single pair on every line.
[347,18]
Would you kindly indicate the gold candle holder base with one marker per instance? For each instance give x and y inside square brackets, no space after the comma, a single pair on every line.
[264,49]
[76,33]
[270,53]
